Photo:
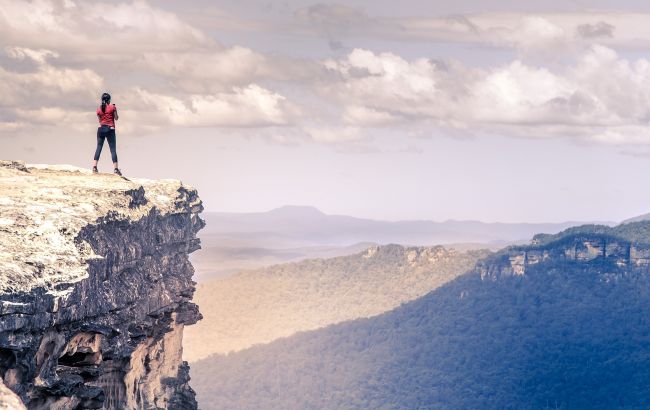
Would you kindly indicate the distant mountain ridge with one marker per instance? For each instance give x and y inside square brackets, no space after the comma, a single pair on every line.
[561,323]
[232,242]
[290,226]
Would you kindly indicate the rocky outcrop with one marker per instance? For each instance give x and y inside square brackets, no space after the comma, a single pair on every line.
[95,288]
[611,252]
[9,400]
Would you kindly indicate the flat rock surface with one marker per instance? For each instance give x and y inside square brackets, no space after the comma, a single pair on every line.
[43,208]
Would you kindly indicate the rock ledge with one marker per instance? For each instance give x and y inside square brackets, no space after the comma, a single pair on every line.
[95,288]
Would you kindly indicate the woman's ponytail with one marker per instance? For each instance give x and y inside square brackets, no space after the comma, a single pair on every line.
[106,98]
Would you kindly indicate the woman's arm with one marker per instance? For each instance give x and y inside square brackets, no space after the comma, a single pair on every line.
[115,114]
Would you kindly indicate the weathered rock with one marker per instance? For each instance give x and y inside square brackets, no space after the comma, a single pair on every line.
[581,248]
[95,288]
[9,400]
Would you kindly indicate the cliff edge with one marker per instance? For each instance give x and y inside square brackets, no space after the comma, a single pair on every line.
[95,288]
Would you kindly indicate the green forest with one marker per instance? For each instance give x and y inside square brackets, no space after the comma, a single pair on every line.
[566,335]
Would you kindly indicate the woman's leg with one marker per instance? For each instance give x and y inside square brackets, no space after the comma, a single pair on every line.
[100,144]
[112,144]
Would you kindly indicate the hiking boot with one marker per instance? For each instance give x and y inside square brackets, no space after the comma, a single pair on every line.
[117,172]
[95,170]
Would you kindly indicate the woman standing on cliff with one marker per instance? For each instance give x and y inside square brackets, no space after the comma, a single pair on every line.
[107,115]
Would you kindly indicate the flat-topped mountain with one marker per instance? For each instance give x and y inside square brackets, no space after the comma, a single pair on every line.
[95,288]
[562,323]
[262,305]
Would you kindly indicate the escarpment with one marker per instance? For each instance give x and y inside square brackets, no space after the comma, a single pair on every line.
[611,252]
[95,288]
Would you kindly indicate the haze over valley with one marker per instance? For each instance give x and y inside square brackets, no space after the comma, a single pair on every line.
[236,241]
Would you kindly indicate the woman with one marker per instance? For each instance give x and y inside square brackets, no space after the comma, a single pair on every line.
[107,115]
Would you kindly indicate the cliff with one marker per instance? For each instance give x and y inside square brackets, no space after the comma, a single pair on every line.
[609,251]
[95,288]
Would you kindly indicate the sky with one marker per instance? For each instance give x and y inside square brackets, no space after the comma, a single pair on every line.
[493,110]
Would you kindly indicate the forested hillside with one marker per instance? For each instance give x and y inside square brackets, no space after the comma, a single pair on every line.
[262,305]
[564,325]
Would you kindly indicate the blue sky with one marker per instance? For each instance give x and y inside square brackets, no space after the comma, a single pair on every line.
[495,110]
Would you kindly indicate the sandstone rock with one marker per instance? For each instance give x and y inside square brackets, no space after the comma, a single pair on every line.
[95,288]
[579,249]
[9,400]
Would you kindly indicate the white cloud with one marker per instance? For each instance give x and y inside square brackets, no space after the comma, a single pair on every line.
[386,83]
[71,51]
[525,31]
[205,71]
[367,116]
[535,34]
[600,97]
[46,83]
[95,28]
[243,107]
[38,56]
[60,55]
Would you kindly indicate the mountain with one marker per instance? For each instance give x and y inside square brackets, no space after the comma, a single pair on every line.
[297,226]
[562,323]
[232,242]
[262,305]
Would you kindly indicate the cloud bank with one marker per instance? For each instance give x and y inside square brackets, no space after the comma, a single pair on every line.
[599,97]
[163,71]
[567,75]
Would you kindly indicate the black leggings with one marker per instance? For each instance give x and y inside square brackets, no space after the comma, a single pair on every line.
[108,133]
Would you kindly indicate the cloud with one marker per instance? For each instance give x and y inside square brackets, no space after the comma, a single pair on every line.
[595,30]
[46,83]
[367,116]
[60,55]
[600,97]
[206,71]
[332,17]
[243,107]
[38,56]
[93,28]
[535,34]
[378,87]
[523,31]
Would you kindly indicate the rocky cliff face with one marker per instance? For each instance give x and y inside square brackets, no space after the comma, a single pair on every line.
[95,288]
[612,252]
